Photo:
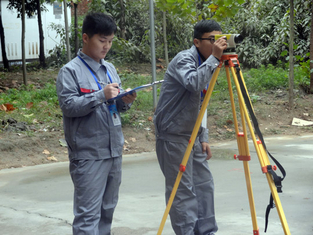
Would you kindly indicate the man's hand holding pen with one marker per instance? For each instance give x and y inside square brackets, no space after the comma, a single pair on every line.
[111,90]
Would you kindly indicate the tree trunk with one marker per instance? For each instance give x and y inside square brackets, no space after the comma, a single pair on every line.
[68,49]
[42,59]
[122,22]
[311,54]
[165,39]
[23,44]
[291,60]
[4,54]
[76,28]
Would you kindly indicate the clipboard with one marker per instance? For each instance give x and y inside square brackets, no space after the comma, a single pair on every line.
[135,90]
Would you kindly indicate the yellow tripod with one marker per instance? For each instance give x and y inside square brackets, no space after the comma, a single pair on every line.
[231,62]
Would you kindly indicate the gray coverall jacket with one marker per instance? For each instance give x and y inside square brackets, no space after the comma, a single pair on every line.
[88,127]
[178,107]
[179,102]
[95,144]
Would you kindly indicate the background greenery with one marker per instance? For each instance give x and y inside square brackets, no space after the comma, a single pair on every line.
[38,104]
[263,53]
[263,24]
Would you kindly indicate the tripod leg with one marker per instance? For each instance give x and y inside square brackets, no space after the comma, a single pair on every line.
[262,155]
[189,148]
[273,188]
[244,155]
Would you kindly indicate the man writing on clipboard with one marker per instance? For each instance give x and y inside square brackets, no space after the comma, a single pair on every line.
[92,126]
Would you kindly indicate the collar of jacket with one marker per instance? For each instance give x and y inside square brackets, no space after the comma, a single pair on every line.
[91,62]
[202,57]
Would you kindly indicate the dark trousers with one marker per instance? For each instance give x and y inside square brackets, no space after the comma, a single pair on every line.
[192,211]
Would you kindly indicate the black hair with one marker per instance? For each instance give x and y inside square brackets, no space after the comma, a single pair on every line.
[99,23]
[205,26]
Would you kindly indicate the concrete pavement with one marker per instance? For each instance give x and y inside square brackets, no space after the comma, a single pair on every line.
[38,199]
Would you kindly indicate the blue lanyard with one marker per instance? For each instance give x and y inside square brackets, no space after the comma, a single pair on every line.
[94,74]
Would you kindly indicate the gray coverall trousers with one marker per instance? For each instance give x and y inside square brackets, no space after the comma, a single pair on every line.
[96,194]
[192,211]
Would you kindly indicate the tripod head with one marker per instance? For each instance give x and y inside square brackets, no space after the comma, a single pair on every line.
[232,40]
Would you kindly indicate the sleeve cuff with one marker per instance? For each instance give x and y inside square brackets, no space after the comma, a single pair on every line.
[204,135]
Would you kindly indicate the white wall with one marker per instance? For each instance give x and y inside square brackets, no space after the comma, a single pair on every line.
[13,31]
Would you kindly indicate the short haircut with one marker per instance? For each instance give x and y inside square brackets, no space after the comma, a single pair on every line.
[205,26]
[99,23]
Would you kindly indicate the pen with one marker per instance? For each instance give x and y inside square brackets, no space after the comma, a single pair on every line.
[104,84]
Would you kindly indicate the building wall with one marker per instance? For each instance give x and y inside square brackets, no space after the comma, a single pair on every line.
[13,31]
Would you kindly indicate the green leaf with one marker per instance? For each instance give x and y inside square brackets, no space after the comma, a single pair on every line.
[228,2]
[298,57]
[213,7]
[28,115]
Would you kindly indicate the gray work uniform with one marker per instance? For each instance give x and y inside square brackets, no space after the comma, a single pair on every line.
[192,211]
[94,142]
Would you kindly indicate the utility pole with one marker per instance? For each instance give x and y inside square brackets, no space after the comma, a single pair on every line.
[152,48]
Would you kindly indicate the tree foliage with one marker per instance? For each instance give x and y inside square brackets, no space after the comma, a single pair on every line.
[265,27]
[30,7]
[263,24]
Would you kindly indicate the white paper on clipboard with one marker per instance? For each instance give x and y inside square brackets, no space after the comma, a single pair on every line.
[135,90]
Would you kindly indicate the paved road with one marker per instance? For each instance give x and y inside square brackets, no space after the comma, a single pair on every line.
[38,199]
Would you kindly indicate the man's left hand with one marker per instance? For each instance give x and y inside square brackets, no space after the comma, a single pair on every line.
[129,98]
[206,149]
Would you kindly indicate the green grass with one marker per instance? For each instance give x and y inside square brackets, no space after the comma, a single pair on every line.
[263,79]
[142,108]
[33,106]
[39,106]
[45,109]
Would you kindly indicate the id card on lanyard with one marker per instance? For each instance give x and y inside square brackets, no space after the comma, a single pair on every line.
[112,107]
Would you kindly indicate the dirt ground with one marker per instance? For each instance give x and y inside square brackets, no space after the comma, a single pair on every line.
[274,117]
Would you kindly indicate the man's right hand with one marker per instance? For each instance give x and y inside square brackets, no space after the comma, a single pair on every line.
[111,90]
[219,46]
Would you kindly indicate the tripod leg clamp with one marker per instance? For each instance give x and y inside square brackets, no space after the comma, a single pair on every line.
[182,168]
[265,168]
[242,158]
